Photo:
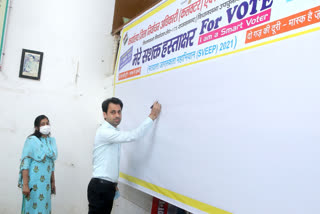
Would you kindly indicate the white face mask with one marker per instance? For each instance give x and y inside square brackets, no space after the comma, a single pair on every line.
[45,129]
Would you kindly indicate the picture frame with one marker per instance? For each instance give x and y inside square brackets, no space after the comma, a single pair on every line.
[30,65]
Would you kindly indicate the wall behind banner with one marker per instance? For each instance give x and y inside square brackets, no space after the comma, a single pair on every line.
[69,33]
[3,20]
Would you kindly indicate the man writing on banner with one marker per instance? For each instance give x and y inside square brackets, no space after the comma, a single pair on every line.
[106,154]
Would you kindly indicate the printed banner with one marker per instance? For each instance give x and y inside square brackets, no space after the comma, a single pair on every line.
[182,44]
[185,32]
[159,206]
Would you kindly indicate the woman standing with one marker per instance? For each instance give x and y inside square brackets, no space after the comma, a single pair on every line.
[36,175]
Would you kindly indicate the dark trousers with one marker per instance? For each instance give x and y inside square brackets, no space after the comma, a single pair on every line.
[100,196]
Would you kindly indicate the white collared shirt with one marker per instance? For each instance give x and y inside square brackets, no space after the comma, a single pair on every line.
[106,152]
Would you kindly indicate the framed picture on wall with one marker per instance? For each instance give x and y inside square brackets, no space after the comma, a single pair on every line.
[30,66]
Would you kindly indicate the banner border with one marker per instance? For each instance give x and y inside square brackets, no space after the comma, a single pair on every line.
[225,54]
[175,196]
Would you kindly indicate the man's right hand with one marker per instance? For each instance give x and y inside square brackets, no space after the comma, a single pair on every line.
[156,108]
[26,190]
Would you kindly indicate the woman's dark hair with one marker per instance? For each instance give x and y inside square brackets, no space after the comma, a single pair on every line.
[37,125]
[113,100]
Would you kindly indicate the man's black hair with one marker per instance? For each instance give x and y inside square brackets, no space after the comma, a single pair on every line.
[113,100]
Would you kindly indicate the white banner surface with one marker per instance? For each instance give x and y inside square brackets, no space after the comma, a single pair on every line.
[239,83]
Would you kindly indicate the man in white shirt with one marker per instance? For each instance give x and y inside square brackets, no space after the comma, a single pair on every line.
[106,154]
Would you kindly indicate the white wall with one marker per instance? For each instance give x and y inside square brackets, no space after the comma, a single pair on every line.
[68,32]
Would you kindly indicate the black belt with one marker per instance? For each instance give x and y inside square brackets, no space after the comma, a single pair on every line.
[102,181]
